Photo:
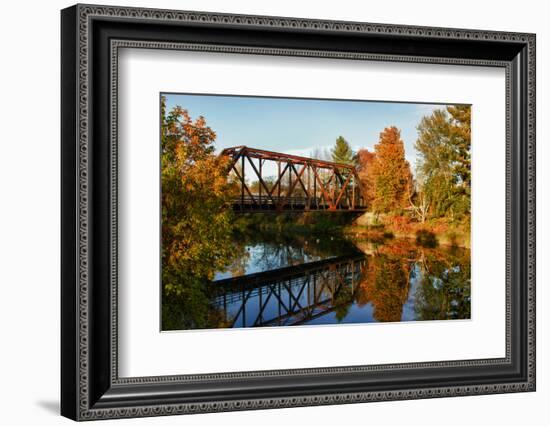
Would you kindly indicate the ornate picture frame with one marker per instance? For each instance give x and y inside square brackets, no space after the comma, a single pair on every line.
[91,37]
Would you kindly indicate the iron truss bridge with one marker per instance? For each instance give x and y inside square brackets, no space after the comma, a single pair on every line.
[300,184]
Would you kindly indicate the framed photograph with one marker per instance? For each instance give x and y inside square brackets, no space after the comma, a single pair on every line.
[263,212]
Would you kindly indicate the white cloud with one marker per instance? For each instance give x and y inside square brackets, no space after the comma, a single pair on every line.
[306,152]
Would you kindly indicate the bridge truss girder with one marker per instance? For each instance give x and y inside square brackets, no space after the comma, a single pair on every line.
[311,184]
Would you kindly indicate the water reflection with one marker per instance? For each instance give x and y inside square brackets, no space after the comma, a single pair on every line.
[328,280]
[259,256]
[292,295]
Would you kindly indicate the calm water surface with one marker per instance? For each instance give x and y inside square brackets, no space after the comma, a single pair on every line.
[329,280]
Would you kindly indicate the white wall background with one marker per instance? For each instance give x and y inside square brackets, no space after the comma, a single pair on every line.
[29,213]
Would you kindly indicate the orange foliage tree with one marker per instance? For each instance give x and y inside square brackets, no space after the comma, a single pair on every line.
[196,219]
[391,173]
[365,161]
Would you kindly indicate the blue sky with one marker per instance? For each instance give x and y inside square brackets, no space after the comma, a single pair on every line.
[299,126]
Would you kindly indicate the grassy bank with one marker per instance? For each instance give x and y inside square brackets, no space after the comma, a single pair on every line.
[292,223]
[432,232]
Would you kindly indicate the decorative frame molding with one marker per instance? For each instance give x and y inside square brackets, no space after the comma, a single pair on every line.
[91,37]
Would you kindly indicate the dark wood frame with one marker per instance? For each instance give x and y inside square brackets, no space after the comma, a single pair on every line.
[90,386]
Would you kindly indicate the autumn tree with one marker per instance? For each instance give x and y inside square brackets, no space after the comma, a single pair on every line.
[365,162]
[256,187]
[443,146]
[391,172]
[342,152]
[196,220]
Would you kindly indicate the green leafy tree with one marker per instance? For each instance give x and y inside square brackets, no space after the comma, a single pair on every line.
[443,145]
[461,137]
[342,152]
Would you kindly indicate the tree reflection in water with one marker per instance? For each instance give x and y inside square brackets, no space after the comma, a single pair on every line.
[328,280]
[443,289]
[435,281]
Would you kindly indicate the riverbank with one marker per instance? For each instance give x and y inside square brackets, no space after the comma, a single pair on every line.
[304,223]
[430,233]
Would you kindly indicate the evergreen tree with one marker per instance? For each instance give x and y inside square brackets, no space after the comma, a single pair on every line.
[342,152]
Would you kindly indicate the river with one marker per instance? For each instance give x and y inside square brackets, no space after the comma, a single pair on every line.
[321,279]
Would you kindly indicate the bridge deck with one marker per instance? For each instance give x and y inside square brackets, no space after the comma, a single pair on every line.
[249,204]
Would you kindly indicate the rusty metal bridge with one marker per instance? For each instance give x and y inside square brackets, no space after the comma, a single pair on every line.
[301,183]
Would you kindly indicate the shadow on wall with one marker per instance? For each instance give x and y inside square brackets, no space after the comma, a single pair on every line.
[51,407]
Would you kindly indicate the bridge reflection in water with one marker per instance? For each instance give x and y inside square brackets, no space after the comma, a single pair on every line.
[290,296]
